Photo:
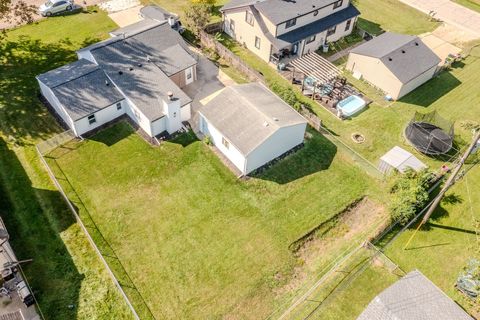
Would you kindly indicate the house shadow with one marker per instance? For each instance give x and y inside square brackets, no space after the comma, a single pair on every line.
[370,27]
[35,227]
[112,132]
[184,139]
[432,90]
[316,155]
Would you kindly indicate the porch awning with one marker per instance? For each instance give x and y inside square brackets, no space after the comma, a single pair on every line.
[315,66]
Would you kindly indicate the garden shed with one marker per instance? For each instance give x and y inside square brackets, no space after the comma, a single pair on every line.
[399,159]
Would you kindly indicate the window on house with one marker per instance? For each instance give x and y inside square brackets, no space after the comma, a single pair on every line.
[337,4]
[249,17]
[189,74]
[232,25]
[290,23]
[91,119]
[311,39]
[347,26]
[225,143]
[119,105]
[331,30]
[257,42]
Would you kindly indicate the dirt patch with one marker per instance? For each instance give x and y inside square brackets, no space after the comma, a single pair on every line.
[360,220]
[454,35]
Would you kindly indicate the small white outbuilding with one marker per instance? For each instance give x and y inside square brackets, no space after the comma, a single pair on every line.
[250,125]
[399,159]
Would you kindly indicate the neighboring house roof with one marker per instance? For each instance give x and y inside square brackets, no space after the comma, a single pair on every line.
[320,25]
[87,94]
[233,4]
[248,114]
[278,11]
[67,72]
[405,56]
[155,13]
[413,297]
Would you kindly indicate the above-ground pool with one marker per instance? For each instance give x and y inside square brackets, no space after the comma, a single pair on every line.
[351,105]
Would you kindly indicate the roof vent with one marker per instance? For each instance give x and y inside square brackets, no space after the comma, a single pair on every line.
[120,72]
[416,43]
[131,68]
[275,119]
[265,123]
[139,65]
[106,83]
[403,51]
[170,95]
[390,59]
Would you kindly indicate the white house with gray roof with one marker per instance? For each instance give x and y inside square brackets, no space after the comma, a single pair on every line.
[140,71]
[250,125]
[395,63]
[414,297]
[274,29]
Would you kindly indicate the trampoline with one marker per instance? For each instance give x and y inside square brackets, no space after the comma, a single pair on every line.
[430,133]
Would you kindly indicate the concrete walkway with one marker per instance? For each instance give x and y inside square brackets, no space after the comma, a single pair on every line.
[450,13]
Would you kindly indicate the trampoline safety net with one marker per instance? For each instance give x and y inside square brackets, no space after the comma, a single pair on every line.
[430,133]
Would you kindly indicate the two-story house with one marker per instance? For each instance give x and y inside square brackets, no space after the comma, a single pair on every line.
[273,29]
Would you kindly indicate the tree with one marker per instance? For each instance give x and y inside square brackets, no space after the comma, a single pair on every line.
[409,195]
[15,12]
[197,16]
[209,3]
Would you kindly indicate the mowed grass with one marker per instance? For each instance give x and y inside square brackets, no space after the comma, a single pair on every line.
[392,15]
[451,93]
[67,277]
[197,242]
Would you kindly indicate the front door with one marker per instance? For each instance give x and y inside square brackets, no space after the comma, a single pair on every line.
[295,47]
[189,75]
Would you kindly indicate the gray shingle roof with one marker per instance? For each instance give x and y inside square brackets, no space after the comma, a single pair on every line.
[146,85]
[136,27]
[87,94]
[67,72]
[414,297]
[405,56]
[237,4]
[278,11]
[248,114]
[155,13]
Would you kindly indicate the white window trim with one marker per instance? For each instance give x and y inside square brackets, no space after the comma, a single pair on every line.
[259,42]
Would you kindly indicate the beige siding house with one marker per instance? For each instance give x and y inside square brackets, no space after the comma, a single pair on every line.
[275,29]
[394,63]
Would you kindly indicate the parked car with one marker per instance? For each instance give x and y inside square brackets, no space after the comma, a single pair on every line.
[55,6]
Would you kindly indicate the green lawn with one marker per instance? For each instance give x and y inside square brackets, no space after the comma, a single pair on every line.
[196,241]
[470,4]
[392,15]
[451,93]
[67,277]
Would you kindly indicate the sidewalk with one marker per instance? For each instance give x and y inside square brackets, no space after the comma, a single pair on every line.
[450,13]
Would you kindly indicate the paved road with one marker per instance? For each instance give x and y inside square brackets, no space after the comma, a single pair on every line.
[450,13]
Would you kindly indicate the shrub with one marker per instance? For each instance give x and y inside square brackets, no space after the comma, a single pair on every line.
[409,195]
[197,15]
[208,140]
[286,93]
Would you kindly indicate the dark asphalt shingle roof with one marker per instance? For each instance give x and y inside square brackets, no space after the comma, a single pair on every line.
[414,297]
[248,114]
[146,85]
[87,94]
[278,11]
[320,25]
[405,56]
[155,13]
[67,72]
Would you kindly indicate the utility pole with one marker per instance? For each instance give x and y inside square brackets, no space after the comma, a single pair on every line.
[447,185]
